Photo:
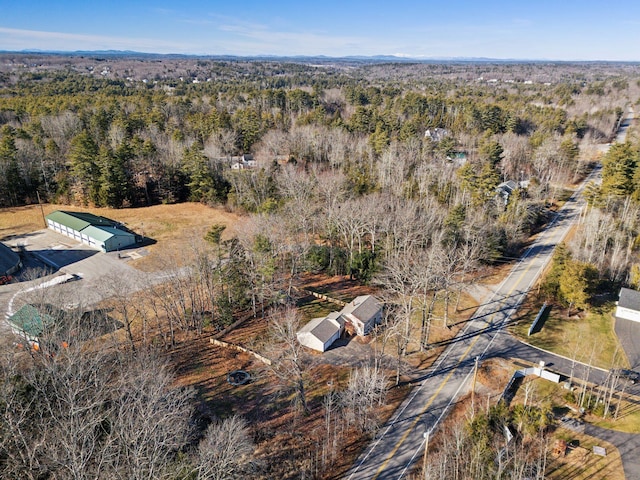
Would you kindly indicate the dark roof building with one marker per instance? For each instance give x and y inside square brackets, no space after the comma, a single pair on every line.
[9,260]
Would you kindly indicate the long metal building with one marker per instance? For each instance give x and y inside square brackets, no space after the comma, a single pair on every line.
[92,230]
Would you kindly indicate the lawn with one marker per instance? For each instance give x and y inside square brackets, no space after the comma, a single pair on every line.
[589,338]
[172,228]
[580,463]
[628,418]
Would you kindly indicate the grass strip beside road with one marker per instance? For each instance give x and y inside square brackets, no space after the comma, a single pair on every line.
[588,338]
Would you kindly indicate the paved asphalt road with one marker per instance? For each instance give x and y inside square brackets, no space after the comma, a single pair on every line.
[628,444]
[401,441]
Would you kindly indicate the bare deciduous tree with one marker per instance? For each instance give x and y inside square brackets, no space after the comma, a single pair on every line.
[289,359]
[365,391]
[225,451]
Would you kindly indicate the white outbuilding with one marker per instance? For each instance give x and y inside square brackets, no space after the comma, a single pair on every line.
[628,305]
[321,332]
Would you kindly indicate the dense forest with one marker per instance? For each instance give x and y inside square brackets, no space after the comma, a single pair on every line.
[407,176]
[435,140]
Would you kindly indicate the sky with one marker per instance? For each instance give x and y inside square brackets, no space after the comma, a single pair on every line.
[500,29]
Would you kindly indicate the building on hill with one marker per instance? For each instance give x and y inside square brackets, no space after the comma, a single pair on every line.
[92,230]
[244,162]
[436,134]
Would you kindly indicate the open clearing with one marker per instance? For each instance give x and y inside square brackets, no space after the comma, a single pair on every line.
[174,228]
[588,338]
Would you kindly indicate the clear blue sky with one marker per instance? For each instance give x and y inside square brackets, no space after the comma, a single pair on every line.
[520,29]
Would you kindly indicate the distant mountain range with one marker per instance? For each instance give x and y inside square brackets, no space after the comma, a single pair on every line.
[301,58]
[297,58]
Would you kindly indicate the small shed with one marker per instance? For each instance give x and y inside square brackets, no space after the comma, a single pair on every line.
[29,322]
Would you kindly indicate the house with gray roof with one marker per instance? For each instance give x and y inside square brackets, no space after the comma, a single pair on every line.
[357,317]
[362,314]
[321,332]
[628,307]
[436,134]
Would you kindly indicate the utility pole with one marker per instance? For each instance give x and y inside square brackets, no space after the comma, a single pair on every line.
[41,209]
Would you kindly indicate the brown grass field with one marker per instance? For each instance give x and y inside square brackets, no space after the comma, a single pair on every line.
[174,228]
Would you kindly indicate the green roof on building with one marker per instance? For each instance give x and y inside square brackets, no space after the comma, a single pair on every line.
[103,234]
[31,321]
[79,220]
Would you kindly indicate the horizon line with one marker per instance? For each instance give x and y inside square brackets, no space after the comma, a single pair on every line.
[400,58]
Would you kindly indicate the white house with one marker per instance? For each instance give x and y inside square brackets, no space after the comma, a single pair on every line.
[362,314]
[436,134]
[245,162]
[628,305]
[357,317]
[321,332]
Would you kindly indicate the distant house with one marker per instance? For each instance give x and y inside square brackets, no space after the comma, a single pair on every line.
[628,305]
[459,158]
[243,163]
[506,189]
[321,332]
[362,314]
[436,134]
[356,318]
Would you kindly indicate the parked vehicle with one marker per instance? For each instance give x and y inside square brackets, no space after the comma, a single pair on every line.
[630,376]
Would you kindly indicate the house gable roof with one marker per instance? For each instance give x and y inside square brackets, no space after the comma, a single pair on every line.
[323,328]
[364,308]
[629,299]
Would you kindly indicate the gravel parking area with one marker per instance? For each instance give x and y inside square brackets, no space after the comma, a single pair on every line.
[97,271]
